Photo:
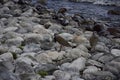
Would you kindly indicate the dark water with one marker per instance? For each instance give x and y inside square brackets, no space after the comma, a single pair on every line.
[87,9]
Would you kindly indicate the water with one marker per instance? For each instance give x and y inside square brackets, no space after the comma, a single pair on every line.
[87,9]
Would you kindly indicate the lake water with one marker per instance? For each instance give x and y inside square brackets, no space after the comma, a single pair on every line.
[88,10]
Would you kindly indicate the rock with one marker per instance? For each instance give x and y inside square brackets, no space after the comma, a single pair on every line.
[76,78]
[67,36]
[23,68]
[15,41]
[32,47]
[94,63]
[3,49]
[29,76]
[7,60]
[115,52]
[27,60]
[61,75]
[100,75]
[101,47]
[55,28]
[54,55]
[49,77]
[91,69]
[14,49]
[5,74]
[76,53]
[49,68]
[97,56]
[40,29]
[112,69]
[43,58]
[105,58]
[77,65]
[10,29]
[32,38]
[83,48]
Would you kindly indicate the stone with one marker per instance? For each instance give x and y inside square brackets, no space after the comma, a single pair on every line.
[105,58]
[115,52]
[61,75]
[76,53]
[67,36]
[77,65]
[94,63]
[15,41]
[32,47]
[43,58]
[23,68]
[91,69]
[14,49]
[7,60]
[101,47]
[30,76]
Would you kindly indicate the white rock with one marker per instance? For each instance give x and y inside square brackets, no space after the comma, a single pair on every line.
[88,34]
[115,52]
[83,48]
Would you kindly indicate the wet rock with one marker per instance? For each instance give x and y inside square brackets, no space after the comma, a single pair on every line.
[115,52]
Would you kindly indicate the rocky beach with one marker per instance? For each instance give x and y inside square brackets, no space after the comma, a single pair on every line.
[39,41]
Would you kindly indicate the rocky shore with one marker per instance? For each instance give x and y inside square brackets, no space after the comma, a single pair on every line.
[29,49]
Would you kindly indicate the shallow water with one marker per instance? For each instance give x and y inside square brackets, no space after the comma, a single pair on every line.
[98,12]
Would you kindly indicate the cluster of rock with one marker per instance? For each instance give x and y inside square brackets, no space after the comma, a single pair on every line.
[28,50]
[101,2]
